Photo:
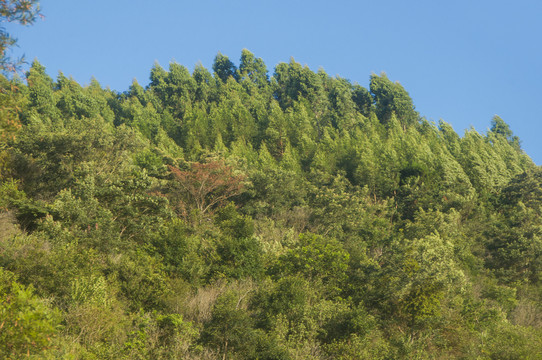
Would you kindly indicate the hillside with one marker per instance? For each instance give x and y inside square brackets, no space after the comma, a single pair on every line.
[230,214]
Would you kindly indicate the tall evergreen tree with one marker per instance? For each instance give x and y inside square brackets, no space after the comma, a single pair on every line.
[392,98]
[253,68]
[224,68]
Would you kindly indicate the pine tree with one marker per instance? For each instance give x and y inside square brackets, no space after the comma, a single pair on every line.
[224,68]
[391,98]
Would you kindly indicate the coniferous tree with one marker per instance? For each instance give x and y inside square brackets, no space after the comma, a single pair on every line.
[253,68]
[301,217]
[392,98]
[224,68]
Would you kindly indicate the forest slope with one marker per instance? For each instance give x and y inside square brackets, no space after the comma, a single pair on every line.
[233,215]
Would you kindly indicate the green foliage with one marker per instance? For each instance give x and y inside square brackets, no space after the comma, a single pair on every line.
[515,235]
[28,323]
[230,330]
[302,217]
[253,69]
[183,253]
[224,68]
[239,258]
[498,126]
[11,101]
[150,161]
[391,98]
[142,280]
[320,260]
[10,194]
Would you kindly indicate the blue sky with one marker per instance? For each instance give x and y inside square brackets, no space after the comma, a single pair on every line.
[461,61]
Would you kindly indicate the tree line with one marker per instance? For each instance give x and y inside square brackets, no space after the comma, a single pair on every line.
[233,214]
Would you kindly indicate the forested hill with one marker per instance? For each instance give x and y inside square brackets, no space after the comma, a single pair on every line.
[230,214]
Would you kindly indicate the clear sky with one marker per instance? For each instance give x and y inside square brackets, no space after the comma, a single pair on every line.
[461,61]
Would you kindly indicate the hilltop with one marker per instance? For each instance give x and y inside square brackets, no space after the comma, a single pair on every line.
[227,213]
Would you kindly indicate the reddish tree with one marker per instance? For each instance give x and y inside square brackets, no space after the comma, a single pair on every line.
[207,185]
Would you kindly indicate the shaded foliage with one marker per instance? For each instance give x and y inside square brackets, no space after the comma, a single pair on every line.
[236,215]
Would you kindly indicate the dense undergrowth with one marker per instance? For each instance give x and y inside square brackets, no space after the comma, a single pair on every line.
[233,215]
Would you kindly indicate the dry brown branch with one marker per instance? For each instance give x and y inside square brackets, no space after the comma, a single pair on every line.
[208,185]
